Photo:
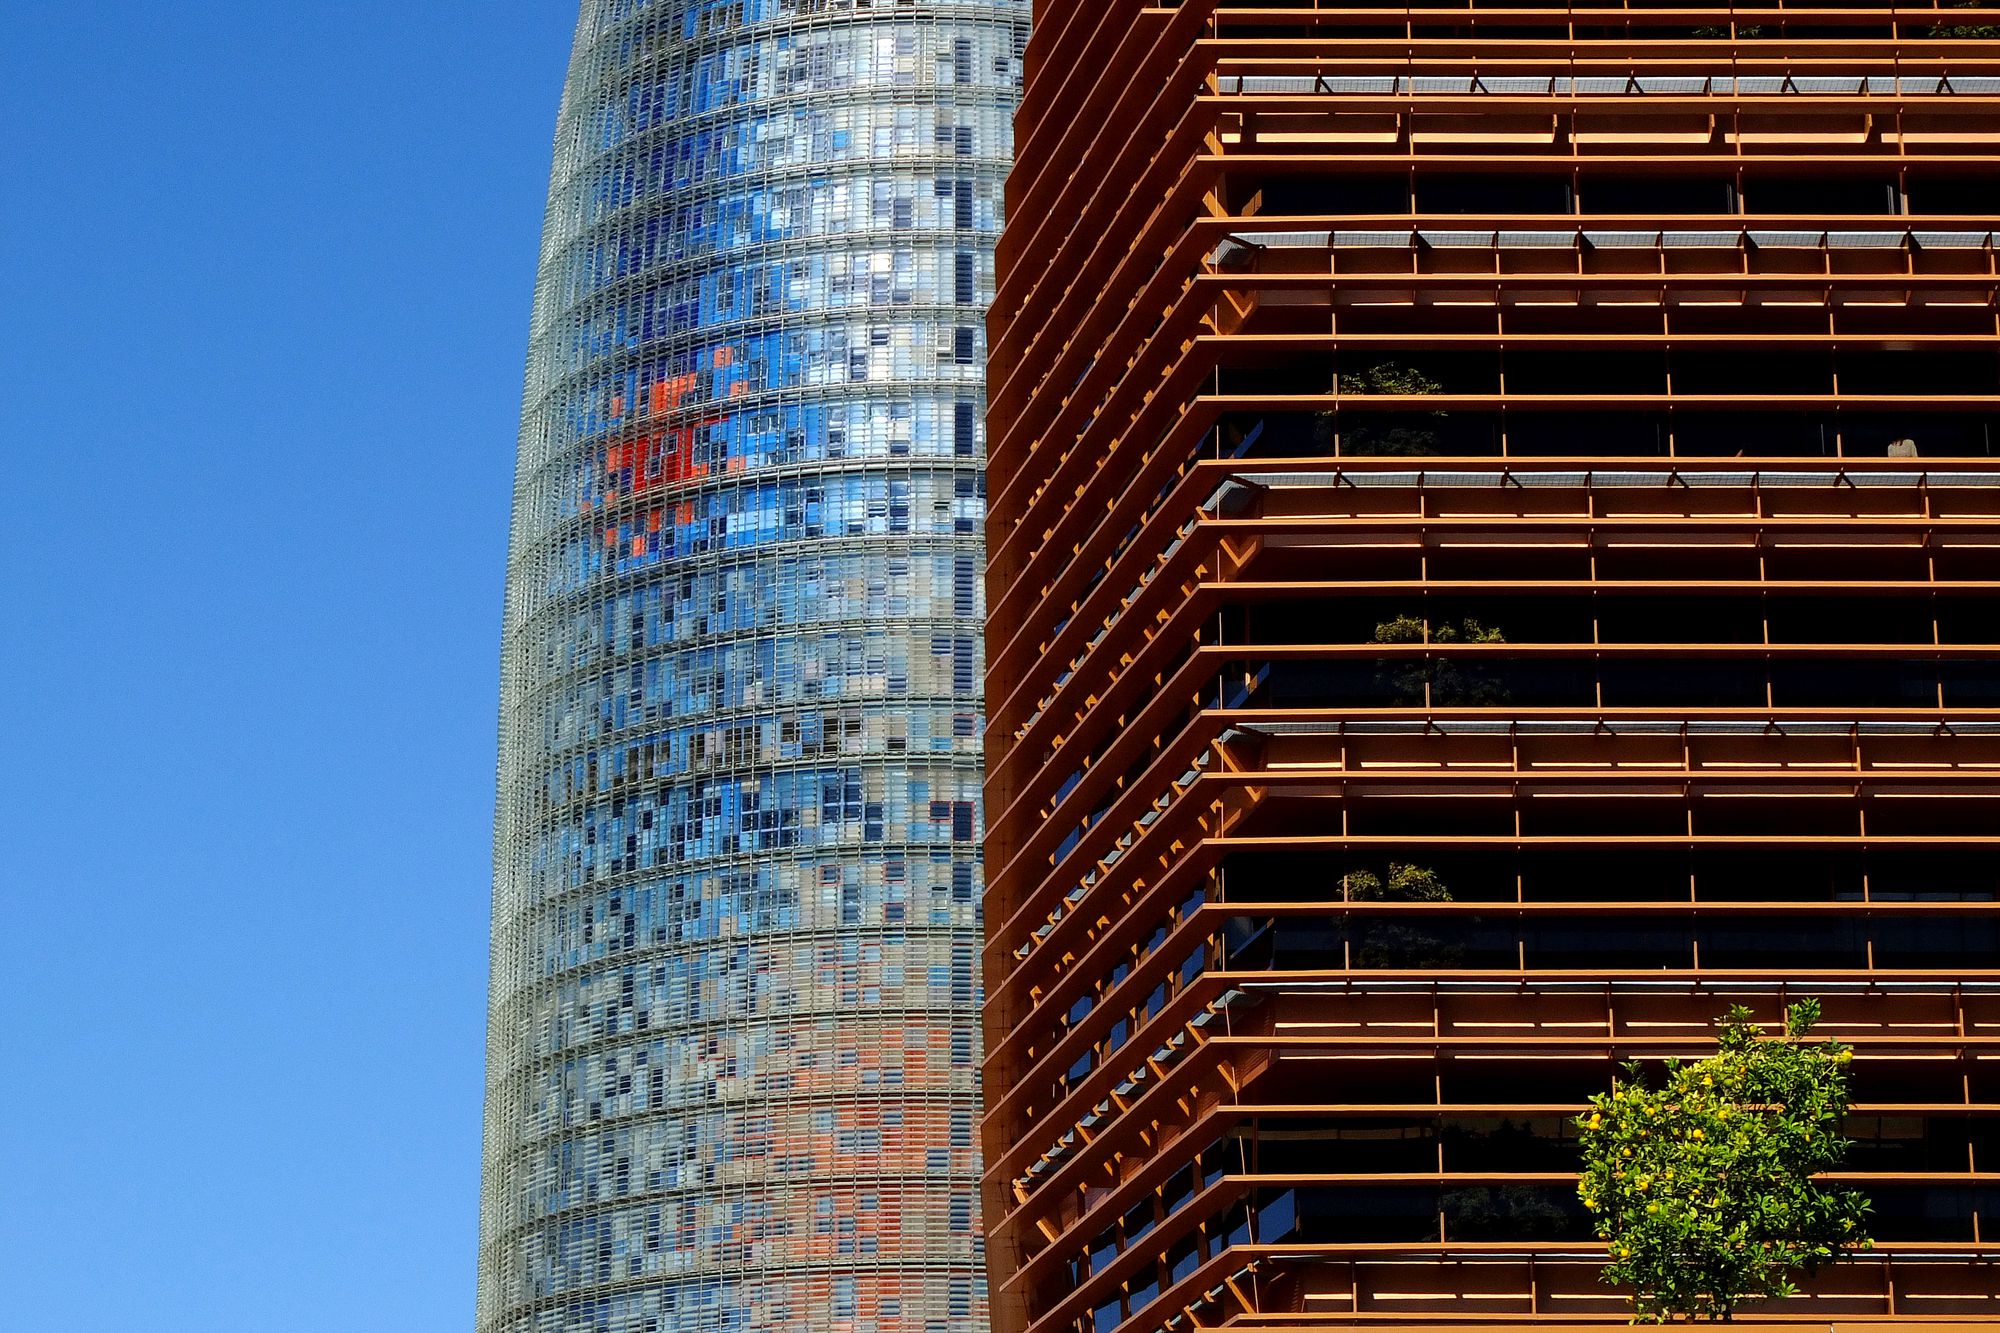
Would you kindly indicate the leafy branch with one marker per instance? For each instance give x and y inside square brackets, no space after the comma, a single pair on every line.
[1404,433]
[1452,682]
[1397,943]
[1965,31]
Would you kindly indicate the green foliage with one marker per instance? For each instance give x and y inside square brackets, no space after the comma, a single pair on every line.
[1410,629]
[1391,378]
[1403,629]
[1716,31]
[1397,943]
[1704,1188]
[1406,884]
[1962,31]
[1401,433]
[1452,682]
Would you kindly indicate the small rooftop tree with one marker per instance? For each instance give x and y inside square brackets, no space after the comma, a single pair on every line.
[1706,1188]
[1963,31]
[1453,682]
[1398,942]
[1404,433]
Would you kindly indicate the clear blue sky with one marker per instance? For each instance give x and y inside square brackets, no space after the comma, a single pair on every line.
[264,281]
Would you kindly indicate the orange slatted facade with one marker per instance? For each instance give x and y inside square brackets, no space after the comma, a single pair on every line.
[1550,447]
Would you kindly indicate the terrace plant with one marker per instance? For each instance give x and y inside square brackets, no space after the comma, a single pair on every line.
[1394,942]
[1454,683]
[1405,884]
[1707,1189]
[1965,31]
[1400,433]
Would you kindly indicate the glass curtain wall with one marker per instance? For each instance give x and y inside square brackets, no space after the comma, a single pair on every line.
[733,1050]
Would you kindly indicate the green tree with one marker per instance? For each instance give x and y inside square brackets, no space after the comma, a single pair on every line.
[1389,377]
[1453,682]
[1965,30]
[1393,942]
[1705,1188]
[1400,433]
[1406,884]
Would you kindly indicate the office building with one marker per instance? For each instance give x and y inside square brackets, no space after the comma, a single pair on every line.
[733,1064]
[1494,545]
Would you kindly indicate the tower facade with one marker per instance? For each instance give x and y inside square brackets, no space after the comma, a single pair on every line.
[1494,549]
[733,1048]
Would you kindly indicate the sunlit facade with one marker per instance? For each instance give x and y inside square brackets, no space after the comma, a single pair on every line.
[733,1054]
[1494,560]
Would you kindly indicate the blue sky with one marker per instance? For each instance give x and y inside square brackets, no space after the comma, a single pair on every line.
[266,271]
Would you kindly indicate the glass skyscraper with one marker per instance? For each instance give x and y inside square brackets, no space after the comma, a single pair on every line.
[733,1051]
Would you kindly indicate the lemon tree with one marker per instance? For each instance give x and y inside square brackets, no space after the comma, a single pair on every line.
[1707,1189]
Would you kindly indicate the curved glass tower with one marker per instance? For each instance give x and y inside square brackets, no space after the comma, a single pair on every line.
[732,1066]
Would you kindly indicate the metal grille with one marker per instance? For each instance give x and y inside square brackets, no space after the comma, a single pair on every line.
[733,1051]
